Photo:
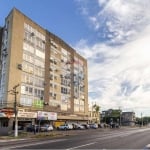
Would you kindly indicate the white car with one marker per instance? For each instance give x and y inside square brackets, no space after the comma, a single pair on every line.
[78,126]
[65,127]
[46,128]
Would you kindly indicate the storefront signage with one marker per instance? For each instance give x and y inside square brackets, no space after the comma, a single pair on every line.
[38,103]
[42,115]
[2,115]
[8,113]
[27,114]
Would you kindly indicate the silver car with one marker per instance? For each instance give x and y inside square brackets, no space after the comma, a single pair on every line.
[46,128]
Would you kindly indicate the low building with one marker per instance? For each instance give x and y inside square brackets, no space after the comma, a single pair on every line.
[128,118]
[94,116]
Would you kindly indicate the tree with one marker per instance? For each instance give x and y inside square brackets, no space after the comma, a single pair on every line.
[96,108]
[96,111]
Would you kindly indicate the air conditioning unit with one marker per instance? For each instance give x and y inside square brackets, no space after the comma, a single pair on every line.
[32,34]
[43,41]
[46,103]
[5,53]
[20,66]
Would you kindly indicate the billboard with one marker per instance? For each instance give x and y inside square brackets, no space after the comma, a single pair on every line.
[37,103]
[42,115]
[27,114]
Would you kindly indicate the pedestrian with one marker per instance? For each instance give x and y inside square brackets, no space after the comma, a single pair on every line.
[34,129]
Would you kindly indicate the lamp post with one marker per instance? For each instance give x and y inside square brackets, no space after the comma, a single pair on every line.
[120,118]
[15,106]
[15,92]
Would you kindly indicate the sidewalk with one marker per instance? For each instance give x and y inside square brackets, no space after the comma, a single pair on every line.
[31,135]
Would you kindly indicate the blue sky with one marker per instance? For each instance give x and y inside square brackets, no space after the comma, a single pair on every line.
[113,35]
[61,17]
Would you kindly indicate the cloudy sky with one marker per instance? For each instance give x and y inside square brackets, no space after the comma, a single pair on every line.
[119,60]
[113,35]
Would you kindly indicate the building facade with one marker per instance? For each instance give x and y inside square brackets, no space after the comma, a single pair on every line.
[50,76]
[94,114]
[128,118]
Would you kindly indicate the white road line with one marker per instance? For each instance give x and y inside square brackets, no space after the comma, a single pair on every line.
[147,146]
[35,143]
[11,140]
[81,146]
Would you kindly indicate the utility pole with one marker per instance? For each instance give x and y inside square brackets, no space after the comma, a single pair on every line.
[15,92]
[141,120]
[120,112]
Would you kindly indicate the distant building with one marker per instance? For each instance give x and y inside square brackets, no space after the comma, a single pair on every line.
[128,118]
[117,116]
[111,116]
[94,116]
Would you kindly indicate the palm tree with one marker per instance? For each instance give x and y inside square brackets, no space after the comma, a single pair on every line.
[96,109]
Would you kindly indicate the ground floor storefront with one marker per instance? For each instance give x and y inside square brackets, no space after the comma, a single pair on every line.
[26,118]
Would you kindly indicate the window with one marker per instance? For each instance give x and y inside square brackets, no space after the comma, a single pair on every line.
[55,77]
[30,90]
[35,92]
[28,48]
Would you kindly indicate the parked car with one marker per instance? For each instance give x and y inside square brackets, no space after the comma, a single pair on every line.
[78,126]
[46,128]
[32,128]
[93,126]
[65,127]
[86,126]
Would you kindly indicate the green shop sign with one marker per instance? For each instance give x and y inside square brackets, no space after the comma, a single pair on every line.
[37,103]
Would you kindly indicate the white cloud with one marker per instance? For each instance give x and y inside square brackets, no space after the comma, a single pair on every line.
[118,20]
[102,2]
[120,75]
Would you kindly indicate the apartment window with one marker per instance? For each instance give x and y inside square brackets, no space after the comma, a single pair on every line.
[55,77]
[40,54]
[26,100]
[63,90]
[51,94]
[26,89]
[23,89]
[27,67]
[28,48]
[55,95]
[42,92]
[35,92]
[30,90]
[28,57]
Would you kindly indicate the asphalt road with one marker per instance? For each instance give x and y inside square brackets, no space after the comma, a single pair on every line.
[126,138]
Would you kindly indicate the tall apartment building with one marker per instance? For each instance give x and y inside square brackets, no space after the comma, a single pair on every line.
[52,76]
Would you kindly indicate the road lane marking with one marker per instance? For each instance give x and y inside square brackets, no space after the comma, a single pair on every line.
[81,146]
[35,143]
[147,146]
[11,140]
